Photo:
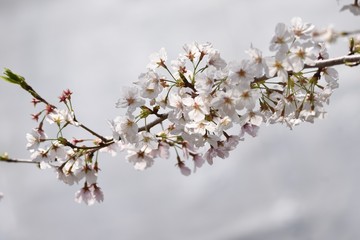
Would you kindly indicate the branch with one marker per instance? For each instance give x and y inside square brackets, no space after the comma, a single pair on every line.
[10,160]
[353,60]
[349,60]
[161,118]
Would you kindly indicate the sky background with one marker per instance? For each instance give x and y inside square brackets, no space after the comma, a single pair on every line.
[283,184]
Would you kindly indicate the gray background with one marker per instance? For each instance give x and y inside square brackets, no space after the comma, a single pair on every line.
[300,184]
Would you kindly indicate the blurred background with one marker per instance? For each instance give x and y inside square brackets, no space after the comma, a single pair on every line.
[283,184]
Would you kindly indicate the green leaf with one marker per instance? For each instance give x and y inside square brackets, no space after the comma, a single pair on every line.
[11,77]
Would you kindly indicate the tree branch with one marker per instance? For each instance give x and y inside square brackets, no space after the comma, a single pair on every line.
[352,59]
[161,118]
[10,160]
[349,60]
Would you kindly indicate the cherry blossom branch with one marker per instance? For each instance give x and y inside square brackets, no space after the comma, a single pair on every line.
[11,77]
[206,99]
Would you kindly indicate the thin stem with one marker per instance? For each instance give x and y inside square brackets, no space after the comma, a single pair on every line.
[162,117]
[11,160]
[93,133]
[350,33]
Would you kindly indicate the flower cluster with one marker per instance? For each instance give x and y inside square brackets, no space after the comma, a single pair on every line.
[197,106]
[71,162]
[198,98]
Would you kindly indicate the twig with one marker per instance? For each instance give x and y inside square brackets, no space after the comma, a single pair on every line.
[10,160]
[161,118]
[351,60]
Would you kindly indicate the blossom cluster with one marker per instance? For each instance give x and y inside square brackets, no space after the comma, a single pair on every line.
[198,98]
[71,162]
[197,106]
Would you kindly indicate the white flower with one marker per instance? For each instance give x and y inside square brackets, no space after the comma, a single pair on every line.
[85,195]
[157,59]
[222,150]
[183,168]
[210,155]
[200,127]
[255,118]
[248,99]
[69,117]
[176,102]
[328,35]
[301,54]
[331,76]
[98,194]
[227,103]
[114,148]
[257,61]
[149,84]
[231,142]
[192,52]
[179,64]
[146,140]
[65,176]
[278,66]
[196,107]
[124,128]
[61,116]
[212,139]
[55,117]
[353,8]
[205,81]
[223,124]
[215,60]
[249,129]
[140,159]
[203,48]
[43,157]
[162,151]
[198,161]
[281,39]
[58,152]
[130,99]
[300,29]
[241,73]
[34,139]
[89,172]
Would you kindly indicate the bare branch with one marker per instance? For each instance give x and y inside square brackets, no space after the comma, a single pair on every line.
[10,160]
[352,59]
[161,118]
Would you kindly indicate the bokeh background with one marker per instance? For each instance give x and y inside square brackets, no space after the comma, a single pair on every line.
[283,184]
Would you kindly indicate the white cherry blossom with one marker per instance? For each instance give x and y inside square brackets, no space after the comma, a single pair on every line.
[130,99]
[281,39]
[301,29]
[34,139]
[157,59]
[197,108]
[141,159]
